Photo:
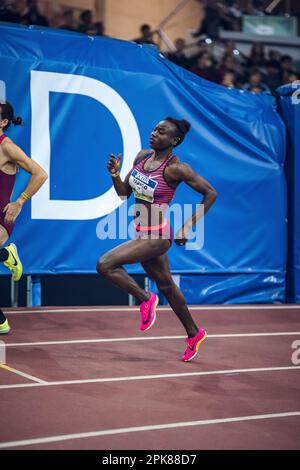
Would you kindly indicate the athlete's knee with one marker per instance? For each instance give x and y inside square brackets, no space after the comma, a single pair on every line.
[104,265]
[3,238]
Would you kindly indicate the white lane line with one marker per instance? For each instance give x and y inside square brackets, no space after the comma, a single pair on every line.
[134,309]
[148,338]
[155,427]
[23,374]
[87,341]
[150,377]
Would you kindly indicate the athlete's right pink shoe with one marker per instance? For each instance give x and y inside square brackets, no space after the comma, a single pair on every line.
[193,345]
[148,312]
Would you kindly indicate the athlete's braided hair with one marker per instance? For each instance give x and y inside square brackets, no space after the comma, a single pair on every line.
[182,126]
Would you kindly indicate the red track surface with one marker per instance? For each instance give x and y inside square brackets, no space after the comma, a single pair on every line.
[110,391]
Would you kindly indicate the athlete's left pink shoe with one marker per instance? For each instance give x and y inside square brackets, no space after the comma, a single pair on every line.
[148,312]
[193,345]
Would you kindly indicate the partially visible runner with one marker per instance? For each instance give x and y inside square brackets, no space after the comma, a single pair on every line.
[154,179]
[11,158]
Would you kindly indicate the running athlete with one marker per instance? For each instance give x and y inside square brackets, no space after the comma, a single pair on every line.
[11,158]
[153,179]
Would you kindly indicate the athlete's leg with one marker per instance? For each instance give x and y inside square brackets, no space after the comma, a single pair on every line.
[133,251]
[9,255]
[158,269]
[4,326]
[3,239]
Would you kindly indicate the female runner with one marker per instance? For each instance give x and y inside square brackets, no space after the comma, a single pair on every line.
[153,179]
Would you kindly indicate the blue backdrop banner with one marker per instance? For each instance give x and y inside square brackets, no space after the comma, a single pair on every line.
[83,98]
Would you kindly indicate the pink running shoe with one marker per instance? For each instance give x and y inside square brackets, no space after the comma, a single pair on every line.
[148,312]
[193,345]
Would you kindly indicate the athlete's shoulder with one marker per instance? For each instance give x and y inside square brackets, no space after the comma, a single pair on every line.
[174,161]
[12,151]
[175,164]
[8,146]
[178,170]
[142,154]
[6,141]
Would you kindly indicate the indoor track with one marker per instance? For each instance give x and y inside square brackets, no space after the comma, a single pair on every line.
[87,378]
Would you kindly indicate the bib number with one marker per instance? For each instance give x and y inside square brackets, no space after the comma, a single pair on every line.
[143,186]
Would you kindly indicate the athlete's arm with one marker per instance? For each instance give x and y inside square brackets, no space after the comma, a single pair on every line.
[123,188]
[183,172]
[38,177]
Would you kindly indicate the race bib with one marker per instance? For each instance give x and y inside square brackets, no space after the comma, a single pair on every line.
[143,187]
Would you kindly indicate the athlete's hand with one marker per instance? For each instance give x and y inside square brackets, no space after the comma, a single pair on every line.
[12,210]
[114,163]
[182,235]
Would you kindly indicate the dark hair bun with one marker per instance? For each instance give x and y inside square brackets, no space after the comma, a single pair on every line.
[182,125]
[186,125]
[17,121]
